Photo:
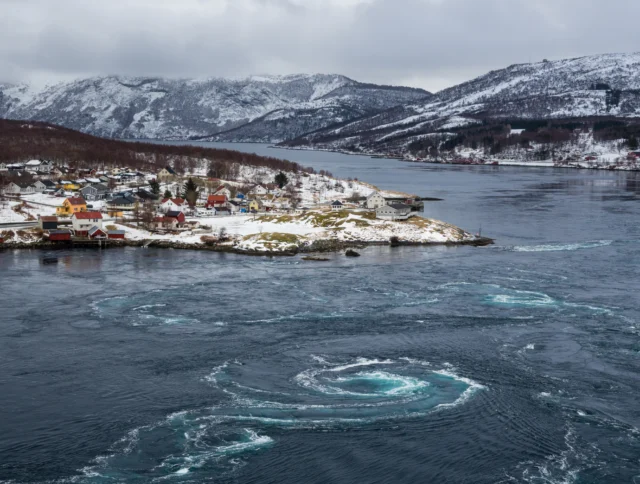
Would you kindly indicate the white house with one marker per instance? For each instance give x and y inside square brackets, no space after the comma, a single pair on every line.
[395,211]
[258,190]
[18,189]
[375,200]
[3,167]
[336,205]
[222,190]
[172,204]
[82,222]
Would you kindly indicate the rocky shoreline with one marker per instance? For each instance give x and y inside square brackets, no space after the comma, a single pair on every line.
[318,246]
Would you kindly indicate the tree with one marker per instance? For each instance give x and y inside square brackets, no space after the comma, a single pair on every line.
[281,180]
[167,194]
[632,143]
[222,233]
[190,193]
[155,187]
[147,215]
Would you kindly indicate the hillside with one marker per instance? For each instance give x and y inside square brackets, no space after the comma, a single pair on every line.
[25,140]
[594,86]
[258,108]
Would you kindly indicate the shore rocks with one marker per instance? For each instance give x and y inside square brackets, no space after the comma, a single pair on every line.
[351,253]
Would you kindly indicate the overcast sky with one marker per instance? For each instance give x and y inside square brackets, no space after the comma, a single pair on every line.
[426,43]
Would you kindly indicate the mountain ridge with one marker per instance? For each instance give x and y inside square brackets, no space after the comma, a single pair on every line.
[142,107]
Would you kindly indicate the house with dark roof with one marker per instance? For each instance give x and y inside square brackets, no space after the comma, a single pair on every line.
[48,222]
[394,211]
[336,205]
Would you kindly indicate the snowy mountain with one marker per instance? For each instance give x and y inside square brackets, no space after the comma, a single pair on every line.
[258,108]
[600,85]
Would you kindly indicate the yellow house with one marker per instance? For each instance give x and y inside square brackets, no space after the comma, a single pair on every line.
[71,206]
[255,205]
[71,186]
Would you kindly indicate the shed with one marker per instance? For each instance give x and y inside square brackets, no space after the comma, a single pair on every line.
[48,222]
[115,234]
[60,235]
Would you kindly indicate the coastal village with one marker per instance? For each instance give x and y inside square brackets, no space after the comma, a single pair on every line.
[259,210]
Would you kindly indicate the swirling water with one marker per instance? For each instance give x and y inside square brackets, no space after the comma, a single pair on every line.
[512,363]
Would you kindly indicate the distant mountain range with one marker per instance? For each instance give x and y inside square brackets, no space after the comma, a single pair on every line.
[333,111]
[600,85]
[258,108]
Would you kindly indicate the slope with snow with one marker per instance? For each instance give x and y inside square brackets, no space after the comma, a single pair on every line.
[600,85]
[157,108]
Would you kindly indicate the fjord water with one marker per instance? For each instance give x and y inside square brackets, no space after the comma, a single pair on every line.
[512,363]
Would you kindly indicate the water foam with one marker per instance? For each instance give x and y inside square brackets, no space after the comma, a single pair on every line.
[563,247]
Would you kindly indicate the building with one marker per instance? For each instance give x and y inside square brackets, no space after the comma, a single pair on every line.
[222,190]
[41,186]
[96,232]
[215,201]
[395,211]
[123,203]
[18,188]
[336,205]
[48,222]
[60,235]
[375,200]
[258,190]
[179,216]
[38,166]
[167,173]
[254,206]
[97,191]
[115,234]
[83,222]
[70,206]
[172,204]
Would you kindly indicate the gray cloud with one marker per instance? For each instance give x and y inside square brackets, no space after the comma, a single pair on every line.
[428,43]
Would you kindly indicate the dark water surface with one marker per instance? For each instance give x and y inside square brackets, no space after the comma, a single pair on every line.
[513,363]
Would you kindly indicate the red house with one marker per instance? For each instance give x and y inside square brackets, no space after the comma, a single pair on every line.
[115,234]
[179,216]
[214,201]
[97,233]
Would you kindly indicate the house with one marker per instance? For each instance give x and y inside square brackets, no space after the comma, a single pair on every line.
[115,234]
[122,203]
[83,222]
[96,232]
[336,205]
[71,186]
[3,167]
[221,211]
[240,196]
[179,216]
[71,205]
[41,186]
[255,206]
[395,211]
[216,201]
[258,190]
[222,190]
[48,222]
[172,204]
[375,200]
[234,207]
[60,235]
[18,188]
[97,191]
[167,223]
[166,173]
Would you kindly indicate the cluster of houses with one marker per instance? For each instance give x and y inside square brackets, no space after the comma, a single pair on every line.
[393,208]
[84,224]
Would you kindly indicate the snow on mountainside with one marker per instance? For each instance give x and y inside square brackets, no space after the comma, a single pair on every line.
[599,85]
[122,107]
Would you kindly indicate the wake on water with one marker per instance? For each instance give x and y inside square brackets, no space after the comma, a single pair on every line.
[562,246]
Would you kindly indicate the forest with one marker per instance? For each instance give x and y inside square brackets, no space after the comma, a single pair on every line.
[21,141]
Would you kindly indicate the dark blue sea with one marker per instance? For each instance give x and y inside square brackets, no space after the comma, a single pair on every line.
[515,363]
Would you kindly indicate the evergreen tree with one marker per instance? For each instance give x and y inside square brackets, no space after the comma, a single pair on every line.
[281,180]
[632,143]
[155,187]
[167,194]
[190,192]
